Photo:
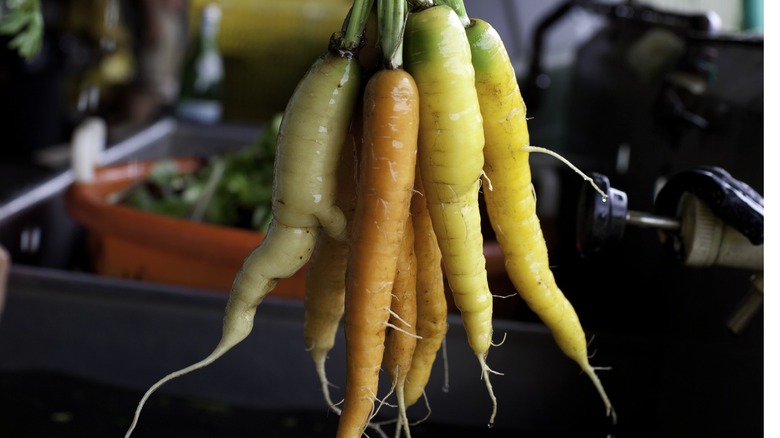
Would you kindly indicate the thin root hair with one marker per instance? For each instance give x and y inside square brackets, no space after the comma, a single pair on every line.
[487,178]
[427,407]
[383,402]
[587,345]
[398,317]
[386,422]
[505,296]
[529,148]
[492,371]
[403,331]
[503,339]
[377,428]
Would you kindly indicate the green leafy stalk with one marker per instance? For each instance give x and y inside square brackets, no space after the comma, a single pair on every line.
[355,24]
[24,20]
[392,21]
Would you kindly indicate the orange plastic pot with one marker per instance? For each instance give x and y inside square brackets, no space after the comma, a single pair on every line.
[130,243]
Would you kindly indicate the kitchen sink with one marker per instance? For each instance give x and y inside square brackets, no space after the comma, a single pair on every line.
[36,229]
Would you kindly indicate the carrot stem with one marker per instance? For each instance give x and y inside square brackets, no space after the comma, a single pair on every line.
[355,24]
[392,20]
[417,5]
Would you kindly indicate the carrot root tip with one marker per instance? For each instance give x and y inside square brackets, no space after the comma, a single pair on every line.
[486,371]
[216,354]
[403,419]
[325,384]
[591,372]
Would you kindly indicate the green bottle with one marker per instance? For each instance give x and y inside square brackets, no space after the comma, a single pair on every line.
[200,96]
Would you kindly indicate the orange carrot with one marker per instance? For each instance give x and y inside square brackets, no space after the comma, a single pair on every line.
[387,168]
[400,343]
[431,300]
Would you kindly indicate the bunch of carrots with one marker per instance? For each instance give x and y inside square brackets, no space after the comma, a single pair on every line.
[382,152]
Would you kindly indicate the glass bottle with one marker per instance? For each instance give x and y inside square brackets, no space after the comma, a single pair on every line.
[200,96]
[112,64]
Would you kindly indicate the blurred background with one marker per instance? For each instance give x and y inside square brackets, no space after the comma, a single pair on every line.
[639,92]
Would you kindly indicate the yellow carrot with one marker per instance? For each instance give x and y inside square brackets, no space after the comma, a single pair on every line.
[510,200]
[436,53]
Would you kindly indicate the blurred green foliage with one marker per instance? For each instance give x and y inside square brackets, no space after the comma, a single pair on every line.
[241,195]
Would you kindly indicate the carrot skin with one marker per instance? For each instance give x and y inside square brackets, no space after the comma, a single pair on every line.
[401,339]
[510,200]
[450,158]
[315,130]
[384,191]
[310,139]
[399,346]
[437,53]
[451,141]
[431,300]
[326,276]
[322,103]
